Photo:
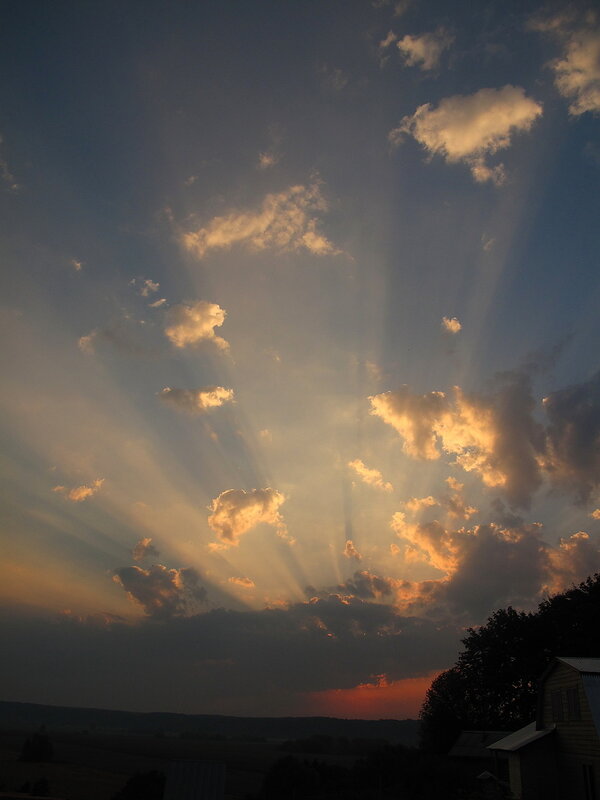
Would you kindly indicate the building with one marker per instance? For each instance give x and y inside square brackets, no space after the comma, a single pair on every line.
[557,756]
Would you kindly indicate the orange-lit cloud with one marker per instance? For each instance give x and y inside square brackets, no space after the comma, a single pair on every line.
[379,699]
[451,325]
[372,477]
[416,504]
[350,551]
[244,583]
[162,593]
[196,401]
[188,325]
[595,514]
[236,511]
[471,128]
[287,221]
[80,493]
[423,51]
[144,549]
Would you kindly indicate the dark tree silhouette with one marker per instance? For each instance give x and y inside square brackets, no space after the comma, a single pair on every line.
[37,748]
[143,786]
[493,685]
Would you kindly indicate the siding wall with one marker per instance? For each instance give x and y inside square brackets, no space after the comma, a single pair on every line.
[577,742]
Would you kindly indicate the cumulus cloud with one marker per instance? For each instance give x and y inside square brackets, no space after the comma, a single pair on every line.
[470,128]
[188,325]
[144,549]
[162,593]
[80,493]
[451,325]
[286,221]
[494,436]
[572,455]
[577,70]
[350,551]
[424,51]
[196,401]
[236,511]
[372,477]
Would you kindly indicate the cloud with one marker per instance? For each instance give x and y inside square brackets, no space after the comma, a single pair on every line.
[577,70]
[162,593]
[287,222]
[77,265]
[158,303]
[80,493]
[245,583]
[451,325]
[350,551]
[595,514]
[144,549]
[416,504]
[471,128]
[196,401]
[424,51]
[572,455]
[367,585]
[86,343]
[188,325]
[372,477]
[236,511]
[268,159]
[494,436]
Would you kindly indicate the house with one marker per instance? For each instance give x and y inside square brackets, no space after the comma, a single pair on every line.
[557,756]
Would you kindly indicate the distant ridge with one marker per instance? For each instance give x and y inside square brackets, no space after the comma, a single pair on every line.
[26,716]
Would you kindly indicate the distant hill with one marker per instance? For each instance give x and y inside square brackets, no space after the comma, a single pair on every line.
[29,716]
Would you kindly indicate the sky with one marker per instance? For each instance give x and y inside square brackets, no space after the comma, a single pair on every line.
[299,312]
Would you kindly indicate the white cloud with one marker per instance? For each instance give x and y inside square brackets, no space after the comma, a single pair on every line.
[187,325]
[144,549]
[80,493]
[451,325]
[471,128]
[372,477]
[196,401]
[424,51]
[286,221]
[158,303]
[236,511]
[350,551]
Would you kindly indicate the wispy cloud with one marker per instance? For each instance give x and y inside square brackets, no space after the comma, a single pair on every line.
[577,70]
[80,493]
[372,477]
[196,401]
[424,51]
[286,221]
[471,128]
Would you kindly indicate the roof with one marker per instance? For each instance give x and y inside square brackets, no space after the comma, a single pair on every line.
[188,780]
[474,744]
[521,738]
[581,664]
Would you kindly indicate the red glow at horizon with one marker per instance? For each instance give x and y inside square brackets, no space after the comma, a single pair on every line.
[381,699]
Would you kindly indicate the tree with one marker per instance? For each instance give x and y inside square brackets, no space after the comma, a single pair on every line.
[493,685]
[37,748]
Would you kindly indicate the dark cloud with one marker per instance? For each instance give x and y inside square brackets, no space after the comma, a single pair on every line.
[163,593]
[144,549]
[255,662]
[573,436]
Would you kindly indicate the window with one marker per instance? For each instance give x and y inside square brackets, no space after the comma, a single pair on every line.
[557,707]
[573,707]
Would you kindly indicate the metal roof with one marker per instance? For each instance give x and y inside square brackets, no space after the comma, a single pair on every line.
[581,664]
[474,744]
[520,738]
[192,780]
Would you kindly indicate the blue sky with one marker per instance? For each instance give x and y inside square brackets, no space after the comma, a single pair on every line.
[300,325]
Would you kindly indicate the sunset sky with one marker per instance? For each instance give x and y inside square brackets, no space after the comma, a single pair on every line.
[300,326]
